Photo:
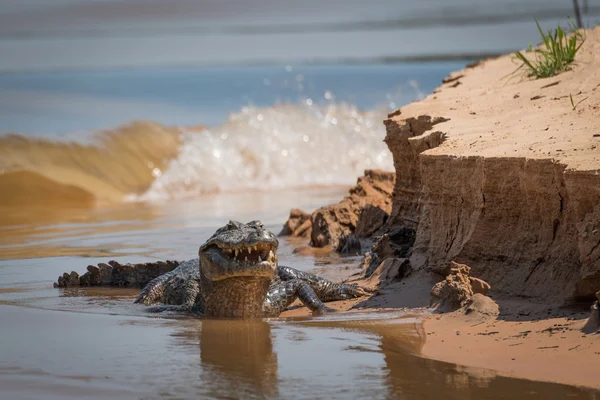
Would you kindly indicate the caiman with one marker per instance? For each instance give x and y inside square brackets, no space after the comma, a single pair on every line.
[236,275]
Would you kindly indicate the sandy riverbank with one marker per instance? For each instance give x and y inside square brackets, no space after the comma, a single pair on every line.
[527,340]
[534,159]
[547,345]
[501,172]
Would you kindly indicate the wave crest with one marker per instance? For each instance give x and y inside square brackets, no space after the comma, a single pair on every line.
[284,146]
[116,163]
[275,147]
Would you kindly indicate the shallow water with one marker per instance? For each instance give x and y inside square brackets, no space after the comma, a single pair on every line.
[94,343]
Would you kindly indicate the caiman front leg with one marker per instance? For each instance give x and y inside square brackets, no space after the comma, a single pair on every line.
[325,290]
[283,293]
[177,290]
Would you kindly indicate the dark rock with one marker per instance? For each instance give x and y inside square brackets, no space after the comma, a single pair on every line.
[349,244]
[332,222]
[370,219]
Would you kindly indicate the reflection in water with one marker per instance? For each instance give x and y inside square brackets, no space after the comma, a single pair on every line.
[409,376]
[412,377]
[60,355]
[237,358]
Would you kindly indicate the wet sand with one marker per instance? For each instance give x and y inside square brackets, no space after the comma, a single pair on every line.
[528,347]
[525,341]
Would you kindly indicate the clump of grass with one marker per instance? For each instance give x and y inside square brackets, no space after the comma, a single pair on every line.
[556,53]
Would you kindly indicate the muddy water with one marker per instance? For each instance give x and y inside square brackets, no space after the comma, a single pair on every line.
[94,343]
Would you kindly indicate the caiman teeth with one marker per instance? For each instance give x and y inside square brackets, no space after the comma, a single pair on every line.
[251,254]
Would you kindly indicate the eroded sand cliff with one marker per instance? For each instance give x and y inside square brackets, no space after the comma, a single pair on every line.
[497,182]
[502,173]
[498,171]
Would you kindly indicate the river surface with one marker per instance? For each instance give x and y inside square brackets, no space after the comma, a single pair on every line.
[94,343]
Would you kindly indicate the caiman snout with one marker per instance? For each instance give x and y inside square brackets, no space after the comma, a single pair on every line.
[239,250]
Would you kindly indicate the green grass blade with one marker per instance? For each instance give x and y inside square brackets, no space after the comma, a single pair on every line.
[557,51]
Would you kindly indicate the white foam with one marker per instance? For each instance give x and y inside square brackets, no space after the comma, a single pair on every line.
[276,147]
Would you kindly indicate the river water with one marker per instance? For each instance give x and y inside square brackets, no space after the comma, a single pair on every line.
[243,113]
[94,343]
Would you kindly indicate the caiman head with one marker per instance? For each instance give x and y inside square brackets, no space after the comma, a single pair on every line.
[237,264]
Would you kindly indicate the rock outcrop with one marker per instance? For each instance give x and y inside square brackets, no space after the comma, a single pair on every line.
[298,224]
[496,170]
[396,244]
[516,221]
[359,214]
[406,140]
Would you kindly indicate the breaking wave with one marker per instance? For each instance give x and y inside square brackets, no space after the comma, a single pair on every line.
[266,148]
[276,147]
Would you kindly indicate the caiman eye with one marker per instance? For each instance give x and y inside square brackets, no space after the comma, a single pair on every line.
[256,223]
[233,225]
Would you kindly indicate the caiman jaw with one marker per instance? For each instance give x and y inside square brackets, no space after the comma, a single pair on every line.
[219,262]
[250,254]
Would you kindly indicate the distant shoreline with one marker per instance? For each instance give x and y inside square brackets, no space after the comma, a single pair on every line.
[424,58]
